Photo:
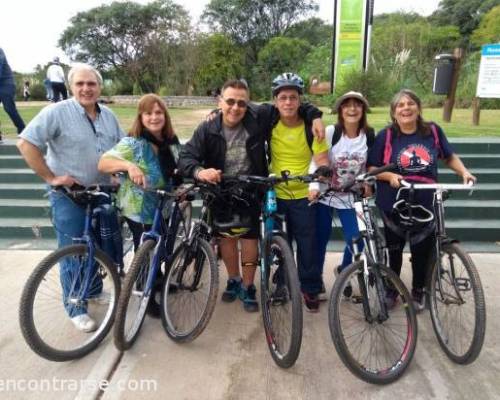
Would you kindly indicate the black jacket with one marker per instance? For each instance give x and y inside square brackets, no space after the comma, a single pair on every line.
[207,146]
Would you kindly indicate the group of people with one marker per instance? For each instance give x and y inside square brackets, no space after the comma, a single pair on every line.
[84,144]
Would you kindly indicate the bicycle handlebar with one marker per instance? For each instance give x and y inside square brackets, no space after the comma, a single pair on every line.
[437,186]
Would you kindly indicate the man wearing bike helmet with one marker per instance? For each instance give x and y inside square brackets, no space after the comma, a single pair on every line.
[231,142]
[291,147]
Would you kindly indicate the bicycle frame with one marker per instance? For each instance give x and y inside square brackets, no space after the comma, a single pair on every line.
[162,235]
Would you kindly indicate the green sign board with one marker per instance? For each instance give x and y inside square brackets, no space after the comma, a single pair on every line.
[349,36]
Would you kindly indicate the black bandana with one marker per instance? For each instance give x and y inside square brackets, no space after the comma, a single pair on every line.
[168,161]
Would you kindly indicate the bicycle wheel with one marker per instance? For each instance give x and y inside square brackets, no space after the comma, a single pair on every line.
[281,303]
[44,313]
[133,301]
[375,347]
[190,291]
[457,305]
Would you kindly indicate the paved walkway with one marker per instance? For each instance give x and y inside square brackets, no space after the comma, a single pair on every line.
[230,360]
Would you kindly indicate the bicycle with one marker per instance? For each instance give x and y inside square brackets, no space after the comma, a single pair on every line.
[165,244]
[281,299]
[454,289]
[375,330]
[93,287]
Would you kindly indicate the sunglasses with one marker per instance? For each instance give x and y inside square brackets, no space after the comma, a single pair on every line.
[232,102]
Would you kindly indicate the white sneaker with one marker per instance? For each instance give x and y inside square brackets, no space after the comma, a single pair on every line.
[84,323]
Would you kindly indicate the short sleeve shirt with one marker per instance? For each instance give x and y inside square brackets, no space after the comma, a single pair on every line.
[72,142]
[136,204]
[347,160]
[290,151]
[415,155]
[237,160]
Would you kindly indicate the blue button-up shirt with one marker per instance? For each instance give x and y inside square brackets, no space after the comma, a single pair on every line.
[73,143]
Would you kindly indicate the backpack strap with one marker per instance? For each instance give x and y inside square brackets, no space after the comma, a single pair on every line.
[337,134]
[388,146]
[370,138]
[436,140]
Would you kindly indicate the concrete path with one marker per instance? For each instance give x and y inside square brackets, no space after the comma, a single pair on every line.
[230,360]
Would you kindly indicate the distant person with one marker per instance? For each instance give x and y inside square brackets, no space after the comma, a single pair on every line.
[8,93]
[55,74]
[48,89]
[26,91]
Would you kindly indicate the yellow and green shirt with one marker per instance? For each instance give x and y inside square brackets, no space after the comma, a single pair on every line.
[290,151]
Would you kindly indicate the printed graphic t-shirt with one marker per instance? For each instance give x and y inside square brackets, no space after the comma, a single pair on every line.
[414,155]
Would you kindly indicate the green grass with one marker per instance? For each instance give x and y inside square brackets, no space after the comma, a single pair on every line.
[185,120]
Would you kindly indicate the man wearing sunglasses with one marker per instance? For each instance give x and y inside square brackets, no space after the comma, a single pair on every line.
[232,142]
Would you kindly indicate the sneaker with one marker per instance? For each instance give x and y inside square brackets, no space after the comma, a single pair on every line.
[418,297]
[391,298]
[84,323]
[232,290]
[347,292]
[311,302]
[247,296]
[280,295]
[322,293]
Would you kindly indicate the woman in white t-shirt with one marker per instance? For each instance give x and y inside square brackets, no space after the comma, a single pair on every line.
[349,141]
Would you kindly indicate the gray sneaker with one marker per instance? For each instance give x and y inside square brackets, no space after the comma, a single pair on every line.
[418,297]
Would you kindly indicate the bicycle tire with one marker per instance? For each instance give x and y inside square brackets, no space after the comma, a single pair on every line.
[283,308]
[350,340]
[450,339]
[195,292]
[41,300]
[130,314]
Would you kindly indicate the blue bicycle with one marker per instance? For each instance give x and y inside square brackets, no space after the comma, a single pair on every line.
[73,280]
[281,300]
[186,260]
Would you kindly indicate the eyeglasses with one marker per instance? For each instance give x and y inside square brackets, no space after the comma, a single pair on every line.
[232,102]
[283,99]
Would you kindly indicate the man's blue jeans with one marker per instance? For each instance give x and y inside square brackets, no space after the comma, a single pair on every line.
[301,227]
[7,98]
[69,221]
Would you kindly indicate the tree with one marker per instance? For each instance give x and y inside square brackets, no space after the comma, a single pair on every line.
[219,59]
[137,42]
[406,51]
[316,31]
[280,54]
[489,28]
[466,14]
[253,22]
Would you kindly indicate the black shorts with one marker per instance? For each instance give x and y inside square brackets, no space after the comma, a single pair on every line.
[252,212]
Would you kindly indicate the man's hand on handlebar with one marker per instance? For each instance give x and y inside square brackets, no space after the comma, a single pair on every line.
[209,175]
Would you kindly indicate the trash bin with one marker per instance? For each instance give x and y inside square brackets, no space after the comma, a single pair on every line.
[443,73]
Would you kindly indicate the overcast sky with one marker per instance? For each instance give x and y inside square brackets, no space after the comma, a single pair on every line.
[30,29]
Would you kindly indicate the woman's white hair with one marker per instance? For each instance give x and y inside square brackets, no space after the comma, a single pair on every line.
[83,67]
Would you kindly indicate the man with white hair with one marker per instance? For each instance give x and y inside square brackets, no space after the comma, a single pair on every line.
[74,134]
[55,74]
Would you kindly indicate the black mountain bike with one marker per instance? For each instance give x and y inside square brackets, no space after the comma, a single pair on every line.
[454,289]
[374,330]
